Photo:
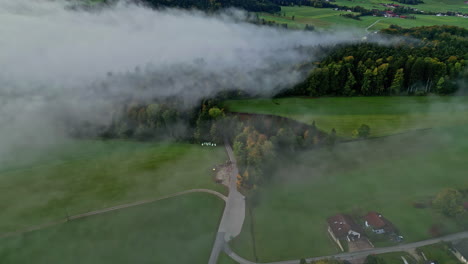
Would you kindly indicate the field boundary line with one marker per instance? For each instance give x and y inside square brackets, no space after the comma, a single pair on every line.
[110,209]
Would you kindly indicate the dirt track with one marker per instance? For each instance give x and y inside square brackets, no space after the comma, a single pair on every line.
[109,209]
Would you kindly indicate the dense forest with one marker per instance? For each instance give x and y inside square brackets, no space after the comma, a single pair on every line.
[208,5]
[427,60]
[249,5]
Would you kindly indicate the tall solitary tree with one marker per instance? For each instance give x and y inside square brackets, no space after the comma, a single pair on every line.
[363,131]
[449,202]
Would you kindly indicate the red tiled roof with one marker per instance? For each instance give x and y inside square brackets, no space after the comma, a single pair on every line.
[375,220]
[342,224]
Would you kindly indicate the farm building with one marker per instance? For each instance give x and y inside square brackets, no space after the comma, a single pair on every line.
[378,223]
[342,226]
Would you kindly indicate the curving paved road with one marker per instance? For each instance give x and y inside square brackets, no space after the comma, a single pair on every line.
[358,254]
[234,212]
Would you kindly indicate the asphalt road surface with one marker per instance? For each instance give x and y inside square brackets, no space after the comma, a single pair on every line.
[234,212]
[359,254]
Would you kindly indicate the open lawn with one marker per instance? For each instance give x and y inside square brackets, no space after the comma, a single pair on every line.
[225,259]
[439,253]
[386,175]
[395,258]
[384,115]
[82,176]
[172,231]
[327,18]
[319,17]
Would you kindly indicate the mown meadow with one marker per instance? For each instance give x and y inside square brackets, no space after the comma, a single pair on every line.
[175,230]
[384,115]
[327,18]
[79,176]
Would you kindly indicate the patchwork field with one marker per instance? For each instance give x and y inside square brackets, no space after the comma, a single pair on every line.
[81,176]
[429,5]
[319,17]
[173,231]
[384,115]
[386,175]
[329,18]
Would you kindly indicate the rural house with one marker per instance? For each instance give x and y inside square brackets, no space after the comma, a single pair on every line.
[342,226]
[378,223]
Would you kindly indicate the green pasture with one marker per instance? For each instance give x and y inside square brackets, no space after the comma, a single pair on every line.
[225,259]
[172,231]
[427,6]
[84,175]
[384,115]
[421,20]
[327,18]
[387,175]
[440,253]
[395,258]
[318,17]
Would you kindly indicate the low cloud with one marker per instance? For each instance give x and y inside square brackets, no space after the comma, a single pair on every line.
[63,63]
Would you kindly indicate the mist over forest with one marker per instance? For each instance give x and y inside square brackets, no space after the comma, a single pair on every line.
[64,64]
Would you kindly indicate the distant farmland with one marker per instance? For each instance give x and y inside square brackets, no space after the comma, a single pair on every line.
[329,18]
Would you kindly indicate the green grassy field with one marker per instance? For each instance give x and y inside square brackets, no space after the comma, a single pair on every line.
[319,17]
[81,176]
[395,258]
[384,115]
[386,175]
[439,253]
[328,18]
[225,259]
[176,230]
[429,5]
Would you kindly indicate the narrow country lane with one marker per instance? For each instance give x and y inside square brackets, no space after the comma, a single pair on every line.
[358,254]
[234,212]
[109,209]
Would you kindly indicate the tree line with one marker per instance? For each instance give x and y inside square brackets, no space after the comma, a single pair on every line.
[409,2]
[205,5]
[433,64]
[257,139]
